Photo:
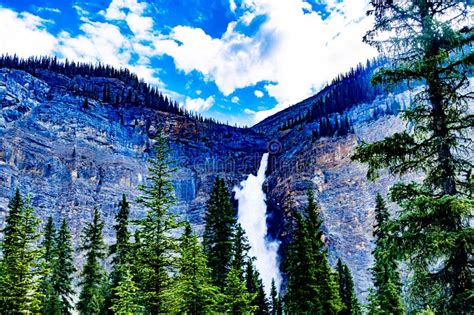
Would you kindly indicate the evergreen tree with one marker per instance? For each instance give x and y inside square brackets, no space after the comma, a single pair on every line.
[387,286]
[350,305]
[91,298]
[432,45]
[240,249]
[49,300]
[237,298]
[85,105]
[312,287]
[217,238]
[63,269]
[192,291]
[157,255]
[276,307]
[255,287]
[126,296]
[120,250]
[20,267]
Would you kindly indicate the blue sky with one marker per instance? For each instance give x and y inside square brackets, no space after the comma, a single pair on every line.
[235,60]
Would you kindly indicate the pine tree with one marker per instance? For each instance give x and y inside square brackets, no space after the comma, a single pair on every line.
[63,269]
[276,305]
[85,105]
[120,250]
[312,287]
[217,238]
[255,287]
[350,305]
[192,291]
[49,300]
[156,256]
[126,295]
[387,286]
[432,45]
[237,298]
[20,267]
[240,249]
[91,298]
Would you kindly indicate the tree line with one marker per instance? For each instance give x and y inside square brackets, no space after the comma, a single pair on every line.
[137,92]
[159,265]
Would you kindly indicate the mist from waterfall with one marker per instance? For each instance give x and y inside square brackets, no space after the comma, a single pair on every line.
[252,216]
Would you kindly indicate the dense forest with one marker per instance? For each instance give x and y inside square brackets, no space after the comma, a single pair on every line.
[158,264]
[136,93]
[330,107]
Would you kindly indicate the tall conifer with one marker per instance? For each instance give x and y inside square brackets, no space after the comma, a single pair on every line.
[218,233]
[158,246]
[432,44]
[20,267]
[93,277]
[63,268]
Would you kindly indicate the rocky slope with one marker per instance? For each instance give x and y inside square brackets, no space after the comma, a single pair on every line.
[71,159]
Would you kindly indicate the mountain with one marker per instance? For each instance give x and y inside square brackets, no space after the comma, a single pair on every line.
[76,137]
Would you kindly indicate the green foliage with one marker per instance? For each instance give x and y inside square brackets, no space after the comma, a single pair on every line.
[126,295]
[237,299]
[387,287]
[20,267]
[240,249]
[350,305]
[63,269]
[192,291]
[312,287]
[432,227]
[156,256]
[49,300]
[93,278]
[120,250]
[254,286]
[276,305]
[218,233]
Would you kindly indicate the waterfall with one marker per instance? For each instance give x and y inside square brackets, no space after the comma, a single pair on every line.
[252,215]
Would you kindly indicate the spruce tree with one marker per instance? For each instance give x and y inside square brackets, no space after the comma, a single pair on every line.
[20,266]
[387,286]
[91,298]
[49,300]
[255,287]
[63,269]
[218,232]
[237,299]
[312,287]
[192,291]
[126,299]
[276,305]
[120,250]
[350,305]
[157,253]
[240,249]
[432,46]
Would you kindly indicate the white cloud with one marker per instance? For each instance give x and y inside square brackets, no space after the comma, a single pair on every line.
[258,93]
[295,49]
[199,104]
[24,34]
[235,99]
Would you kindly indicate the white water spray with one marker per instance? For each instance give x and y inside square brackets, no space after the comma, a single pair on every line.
[252,216]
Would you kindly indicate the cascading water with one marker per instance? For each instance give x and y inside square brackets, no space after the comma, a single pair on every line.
[252,216]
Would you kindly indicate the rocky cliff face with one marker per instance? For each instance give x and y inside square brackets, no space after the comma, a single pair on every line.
[345,196]
[71,159]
